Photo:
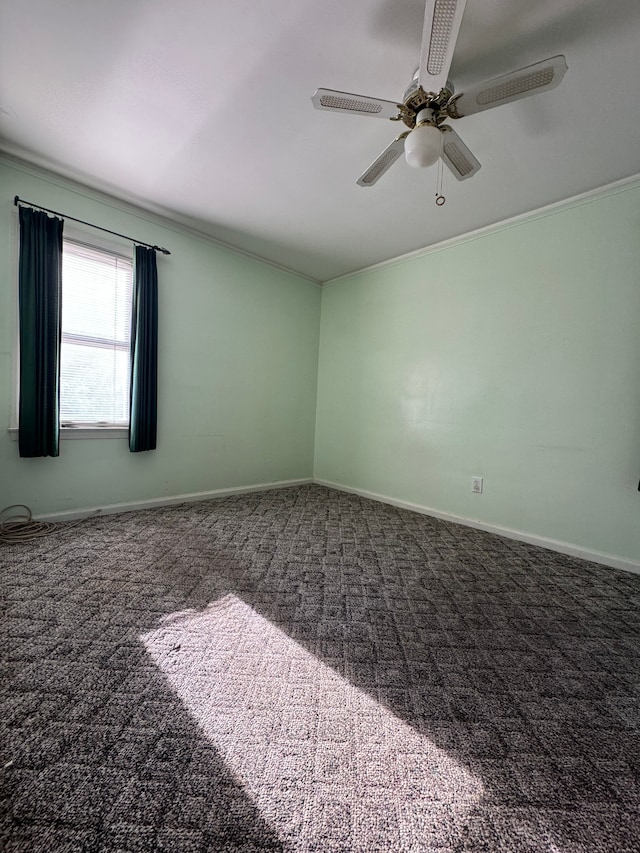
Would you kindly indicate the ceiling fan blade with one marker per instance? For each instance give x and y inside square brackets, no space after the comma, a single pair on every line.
[539,77]
[383,162]
[457,156]
[441,25]
[344,102]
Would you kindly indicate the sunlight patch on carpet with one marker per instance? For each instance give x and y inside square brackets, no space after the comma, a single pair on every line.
[327,766]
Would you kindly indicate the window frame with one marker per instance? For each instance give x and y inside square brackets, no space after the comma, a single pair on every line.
[91,427]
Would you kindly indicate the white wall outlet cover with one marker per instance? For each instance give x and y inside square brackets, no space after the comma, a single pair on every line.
[477,485]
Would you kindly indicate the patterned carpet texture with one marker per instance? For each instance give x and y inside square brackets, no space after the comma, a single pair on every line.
[306,670]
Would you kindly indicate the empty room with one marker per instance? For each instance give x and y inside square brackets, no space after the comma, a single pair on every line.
[320,446]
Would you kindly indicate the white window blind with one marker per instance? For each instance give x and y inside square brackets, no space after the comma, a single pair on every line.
[96,321]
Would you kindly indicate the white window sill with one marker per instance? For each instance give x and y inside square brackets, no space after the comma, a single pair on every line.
[84,432]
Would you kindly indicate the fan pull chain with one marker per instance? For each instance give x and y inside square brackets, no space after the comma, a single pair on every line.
[440,199]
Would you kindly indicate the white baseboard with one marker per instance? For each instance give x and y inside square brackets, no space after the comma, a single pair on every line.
[169,500]
[520,535]
[532,539]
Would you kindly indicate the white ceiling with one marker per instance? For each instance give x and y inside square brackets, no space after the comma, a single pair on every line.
[201,109]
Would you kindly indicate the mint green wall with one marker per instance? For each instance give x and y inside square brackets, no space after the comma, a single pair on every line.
[514,356]
[237,369]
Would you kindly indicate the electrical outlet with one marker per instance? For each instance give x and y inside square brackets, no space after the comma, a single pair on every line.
[476,485]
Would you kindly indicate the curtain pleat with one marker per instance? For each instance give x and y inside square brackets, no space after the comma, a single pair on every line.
[40,281]
[144,352]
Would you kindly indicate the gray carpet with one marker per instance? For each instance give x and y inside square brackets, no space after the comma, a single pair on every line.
[306,670]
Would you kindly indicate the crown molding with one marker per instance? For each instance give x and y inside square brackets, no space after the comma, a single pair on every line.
[623,185]
[104,194]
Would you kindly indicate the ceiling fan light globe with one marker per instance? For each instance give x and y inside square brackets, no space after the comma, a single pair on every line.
[423,146]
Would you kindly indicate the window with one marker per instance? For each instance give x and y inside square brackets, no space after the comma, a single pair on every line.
[96,321]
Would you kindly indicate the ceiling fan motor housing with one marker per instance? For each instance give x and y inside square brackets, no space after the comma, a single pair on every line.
[416,100]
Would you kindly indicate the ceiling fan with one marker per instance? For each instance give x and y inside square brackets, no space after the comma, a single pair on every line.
[431,99]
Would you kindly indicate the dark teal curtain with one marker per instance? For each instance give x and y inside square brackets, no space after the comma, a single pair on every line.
[144,352]
[40,304]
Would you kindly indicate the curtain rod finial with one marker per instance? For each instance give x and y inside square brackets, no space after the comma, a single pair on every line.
[16,199]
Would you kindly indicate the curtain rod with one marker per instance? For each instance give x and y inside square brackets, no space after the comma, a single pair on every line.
[17,201]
